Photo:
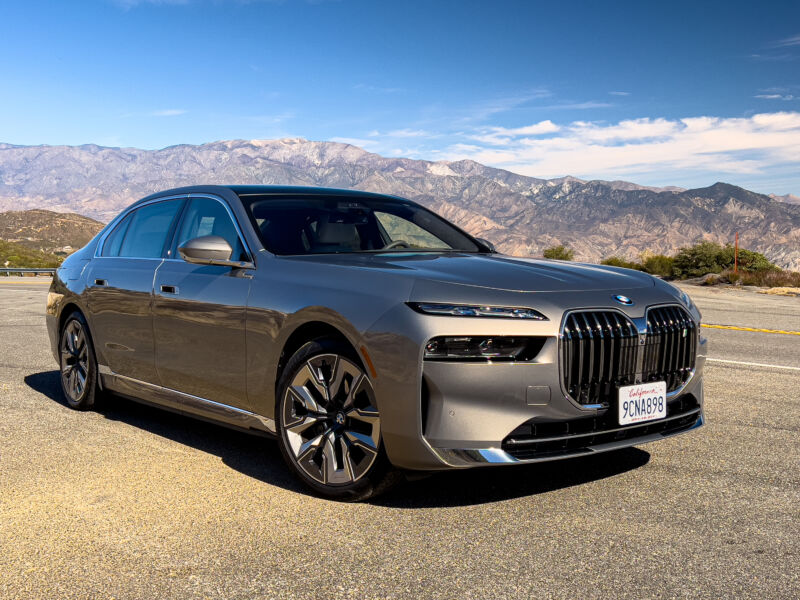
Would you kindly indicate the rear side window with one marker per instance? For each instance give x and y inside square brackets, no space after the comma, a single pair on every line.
[114,239]
[143,233]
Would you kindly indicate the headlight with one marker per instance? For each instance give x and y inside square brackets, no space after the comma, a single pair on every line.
[484,348]
[686,299]
[470,310]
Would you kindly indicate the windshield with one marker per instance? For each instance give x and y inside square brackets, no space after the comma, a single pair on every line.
[334,224]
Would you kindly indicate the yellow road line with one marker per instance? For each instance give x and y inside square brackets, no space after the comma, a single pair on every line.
[736,328]
[26,282]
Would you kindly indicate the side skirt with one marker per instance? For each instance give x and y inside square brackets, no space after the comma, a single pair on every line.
[193,406]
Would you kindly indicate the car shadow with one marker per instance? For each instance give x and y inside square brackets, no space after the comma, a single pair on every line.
[260,458]
[252,455]
[493,484]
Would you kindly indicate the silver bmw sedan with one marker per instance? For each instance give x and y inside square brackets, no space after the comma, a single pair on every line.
[370,336]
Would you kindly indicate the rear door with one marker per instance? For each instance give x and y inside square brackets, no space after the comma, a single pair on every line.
[199,312]
[120,291]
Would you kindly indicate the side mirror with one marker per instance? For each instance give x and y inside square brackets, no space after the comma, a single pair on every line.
[487,243]
[209,250]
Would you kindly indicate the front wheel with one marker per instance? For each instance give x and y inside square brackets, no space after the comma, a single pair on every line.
[329,427]
[78,367]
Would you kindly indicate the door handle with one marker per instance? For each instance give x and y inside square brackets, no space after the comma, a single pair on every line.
[100,282]
[169,289]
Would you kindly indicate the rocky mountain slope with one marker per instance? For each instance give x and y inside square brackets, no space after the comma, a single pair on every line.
[521,215]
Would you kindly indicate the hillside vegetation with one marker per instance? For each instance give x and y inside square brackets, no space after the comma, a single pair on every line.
[17,256]
[47,231]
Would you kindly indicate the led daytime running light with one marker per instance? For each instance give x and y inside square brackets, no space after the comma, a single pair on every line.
[469,310]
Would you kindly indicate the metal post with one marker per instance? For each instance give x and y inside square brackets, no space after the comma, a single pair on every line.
[736,255]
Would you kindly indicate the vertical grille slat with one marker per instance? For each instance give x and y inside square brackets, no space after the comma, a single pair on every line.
[599,351]
[672,357]
[599,354]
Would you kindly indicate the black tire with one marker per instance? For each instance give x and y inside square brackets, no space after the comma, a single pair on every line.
[77,363]
[345,420]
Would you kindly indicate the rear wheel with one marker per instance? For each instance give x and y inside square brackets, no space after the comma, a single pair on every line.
[78,365]
[329,427]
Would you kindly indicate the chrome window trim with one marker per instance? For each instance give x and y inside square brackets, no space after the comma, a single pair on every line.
[113,225]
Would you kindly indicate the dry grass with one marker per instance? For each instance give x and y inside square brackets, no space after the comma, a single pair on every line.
[782,291]
[772,278]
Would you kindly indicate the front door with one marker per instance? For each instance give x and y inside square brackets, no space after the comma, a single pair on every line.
[199,313]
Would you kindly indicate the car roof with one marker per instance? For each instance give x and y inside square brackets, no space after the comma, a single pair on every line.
[268,190]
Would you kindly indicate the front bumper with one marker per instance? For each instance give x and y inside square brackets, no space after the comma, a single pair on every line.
[442,415]
[573,444]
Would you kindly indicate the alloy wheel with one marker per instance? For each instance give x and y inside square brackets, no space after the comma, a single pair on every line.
[74,360]
[330,420]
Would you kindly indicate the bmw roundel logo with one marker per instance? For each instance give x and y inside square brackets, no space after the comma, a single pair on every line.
[622,299]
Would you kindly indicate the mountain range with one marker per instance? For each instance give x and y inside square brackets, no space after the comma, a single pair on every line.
[520,215]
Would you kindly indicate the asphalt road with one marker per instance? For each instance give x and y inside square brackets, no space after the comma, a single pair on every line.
[132,502]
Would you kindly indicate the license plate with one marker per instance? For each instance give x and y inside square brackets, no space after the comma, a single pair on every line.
[642,402]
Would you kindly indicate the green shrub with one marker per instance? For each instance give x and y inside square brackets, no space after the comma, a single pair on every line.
[658,264]
[710,257]
[618,261]
[560,252]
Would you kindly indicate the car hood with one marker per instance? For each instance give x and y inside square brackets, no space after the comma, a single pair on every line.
[493,271]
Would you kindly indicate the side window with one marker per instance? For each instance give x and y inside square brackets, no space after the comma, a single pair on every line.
[114,239]
[400,229]
[206,216]
[148,230]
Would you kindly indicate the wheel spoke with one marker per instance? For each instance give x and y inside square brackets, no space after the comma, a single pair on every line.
[80,341]
[308,448]
[73,388]
[351,393]
[305,422]
[363,441]
[365,415]
[307,375]
[80,380]
[68,340]
[335,473]
[304,396]
[317,367]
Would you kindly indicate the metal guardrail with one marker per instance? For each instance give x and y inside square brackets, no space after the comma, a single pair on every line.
[9,271]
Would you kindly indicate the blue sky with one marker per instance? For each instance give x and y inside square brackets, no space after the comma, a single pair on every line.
[660,93]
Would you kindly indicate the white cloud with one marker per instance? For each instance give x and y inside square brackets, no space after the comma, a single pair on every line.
[790,41]
[620,93]
[775,96]
[355,141]
[409,133]
[640,146]
[503,135]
